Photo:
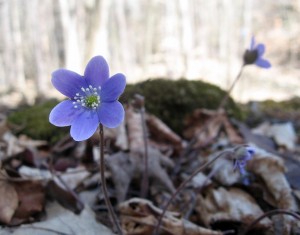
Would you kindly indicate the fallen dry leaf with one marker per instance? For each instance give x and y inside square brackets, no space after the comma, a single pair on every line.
[8,199]
[258,140]
[219,205]
[139,217]
[66,198]
[126,167]
[270,168]
[31,200]
[205,125]
[222,170]
[161,133]
[62,221]
[283,133]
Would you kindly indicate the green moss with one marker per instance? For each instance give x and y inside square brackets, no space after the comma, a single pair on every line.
[257,112]
[283,106]
[34,122]
[172,100]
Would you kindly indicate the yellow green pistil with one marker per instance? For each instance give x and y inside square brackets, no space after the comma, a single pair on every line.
[89,99]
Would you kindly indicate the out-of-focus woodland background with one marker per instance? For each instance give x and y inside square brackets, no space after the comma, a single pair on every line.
[195,39]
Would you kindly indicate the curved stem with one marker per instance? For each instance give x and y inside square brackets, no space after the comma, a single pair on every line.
[111,212]
[225,99]
[182,185]
[270,213]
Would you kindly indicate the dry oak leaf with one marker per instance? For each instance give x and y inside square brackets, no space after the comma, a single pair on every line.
[234,204]
[139,217]
[162,134]
[31,196]
[8,198]
[270,168]
[205,126]
[222,170]
[125,167]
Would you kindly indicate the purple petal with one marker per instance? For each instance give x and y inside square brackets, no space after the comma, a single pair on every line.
[67,82]
[252,43]
[113,88]
[96,71]
[242,170]
[250,150]
[261,49]
[263,63]
[84,126]
[63,114]
[111,114]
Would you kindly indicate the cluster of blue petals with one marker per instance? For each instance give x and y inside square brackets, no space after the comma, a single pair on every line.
[93,99]
[260,50]
[242,155]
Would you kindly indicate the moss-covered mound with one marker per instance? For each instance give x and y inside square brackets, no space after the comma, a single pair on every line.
[34,122]
[172,100]
[169,100]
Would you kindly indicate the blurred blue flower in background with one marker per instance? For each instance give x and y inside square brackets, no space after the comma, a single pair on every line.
[254,55]
[93,99]
[242,155]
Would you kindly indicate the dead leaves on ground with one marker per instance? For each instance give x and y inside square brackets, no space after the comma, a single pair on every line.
[216,200]
[139,217]
[20,201]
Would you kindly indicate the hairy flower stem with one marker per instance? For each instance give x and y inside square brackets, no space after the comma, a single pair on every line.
[111,212]
[182,185]
[145,181]
[225,99]
[270,213]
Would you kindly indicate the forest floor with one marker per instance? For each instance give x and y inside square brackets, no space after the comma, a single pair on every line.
[53,187]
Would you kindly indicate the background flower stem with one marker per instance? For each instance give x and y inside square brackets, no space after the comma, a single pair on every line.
[270,213]
[225,99]
[111,212]
[182,186]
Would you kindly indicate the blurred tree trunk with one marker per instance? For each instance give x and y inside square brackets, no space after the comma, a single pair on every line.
[71,39]
[185,34]
[18,47]
[147,47]
[12,46]
[44,58]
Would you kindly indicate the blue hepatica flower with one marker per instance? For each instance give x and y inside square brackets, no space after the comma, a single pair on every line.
[254,55]
[242,155]
[93,99]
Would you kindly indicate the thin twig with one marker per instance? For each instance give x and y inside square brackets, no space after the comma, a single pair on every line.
[111,212]
[182,185]
[270,213]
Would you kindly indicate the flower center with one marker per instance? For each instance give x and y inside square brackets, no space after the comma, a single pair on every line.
[92,101]
[89,99]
